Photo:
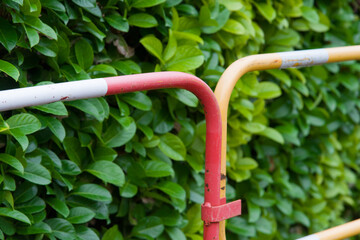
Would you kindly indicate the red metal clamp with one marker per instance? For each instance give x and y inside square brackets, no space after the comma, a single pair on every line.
[219,213]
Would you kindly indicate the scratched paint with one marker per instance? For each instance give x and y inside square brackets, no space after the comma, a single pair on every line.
[32,96]
[303,58]
[310,237]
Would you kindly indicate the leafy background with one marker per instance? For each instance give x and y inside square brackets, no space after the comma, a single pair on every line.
[131,166]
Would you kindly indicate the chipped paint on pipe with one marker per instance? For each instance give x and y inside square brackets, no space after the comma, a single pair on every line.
[38,95]
[303,58]
[24,97]
[267,61]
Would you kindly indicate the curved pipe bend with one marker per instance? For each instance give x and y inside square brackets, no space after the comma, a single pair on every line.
[31,96]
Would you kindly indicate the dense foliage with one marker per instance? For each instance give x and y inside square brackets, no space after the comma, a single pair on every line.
[131,166]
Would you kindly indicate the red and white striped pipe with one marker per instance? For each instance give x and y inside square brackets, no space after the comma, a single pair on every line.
[31,96]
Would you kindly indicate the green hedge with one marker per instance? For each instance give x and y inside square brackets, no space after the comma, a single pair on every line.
[131,166]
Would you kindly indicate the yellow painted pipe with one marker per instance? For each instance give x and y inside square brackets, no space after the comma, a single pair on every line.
[336,233]
[237,69]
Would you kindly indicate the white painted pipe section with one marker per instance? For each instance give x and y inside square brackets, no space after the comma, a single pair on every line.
[38,95]
[304,58]
[310,237]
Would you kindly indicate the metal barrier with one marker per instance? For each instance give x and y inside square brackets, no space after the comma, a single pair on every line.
[213,210]
[281,60]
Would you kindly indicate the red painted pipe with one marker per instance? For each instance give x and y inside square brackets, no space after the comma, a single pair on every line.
[24,97]
[193,84]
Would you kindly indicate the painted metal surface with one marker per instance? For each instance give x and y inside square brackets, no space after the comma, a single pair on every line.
[263,62]
[31,96]
[220,213]
[304,58]
[310,237]
[339,232]
[24,97]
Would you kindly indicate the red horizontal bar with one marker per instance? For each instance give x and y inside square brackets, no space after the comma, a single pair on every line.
[210,214]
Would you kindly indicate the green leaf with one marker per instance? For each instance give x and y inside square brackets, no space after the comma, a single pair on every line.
[266,10]
[175,233]
[232,5]
[241,227]
[24,123]
[107,171]
[153,45]
[37,24]
[92,106]
[235,27]
[21,138]
[138,100]
[281,75]
[56,127]
[112,233]
[85,3]
[31,8]
[285,37]
[349,81]
[263,225]
[104,153]
[149,227]
[80,215]
[9,69]
[35,205]
[158,169]
[254,212]
[117,135]
[146,3]
[59,206]
[61,228]
[93,192]
[310,14]
[193,214]
[143,20]
[172,189]
[36,228]
[285,206]
[8,36]
[253,127]
[47,47]
[184,96]
[172,146]
[56,108]
[246,163]
[103,68]
[54,5]
[118,22]
[187,58]
[171,47]
[273,134]
[128,190]
[126,67]
[12,161]
[84,53]
[267,90]
[301,217]
[91,28]
[188,36]
[36,173]
[14,214]
[290,133]
[85,233]
[74,150]
[69,168]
